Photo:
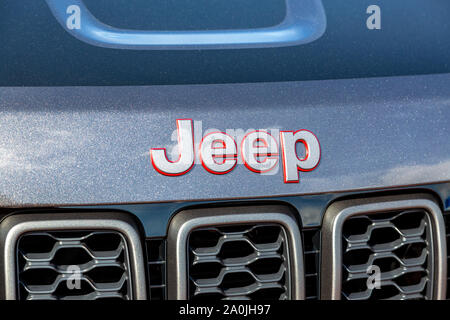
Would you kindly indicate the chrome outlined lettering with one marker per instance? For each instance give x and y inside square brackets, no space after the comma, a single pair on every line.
[259,151]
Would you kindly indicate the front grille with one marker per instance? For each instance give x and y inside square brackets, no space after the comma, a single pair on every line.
[397,244]
[73,265]
[239,262]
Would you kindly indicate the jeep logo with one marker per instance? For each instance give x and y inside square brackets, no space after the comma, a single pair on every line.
[218,152]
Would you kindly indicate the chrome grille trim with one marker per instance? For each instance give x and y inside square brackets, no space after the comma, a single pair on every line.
[332,243]
[447,230]
[13,227]
[186,221]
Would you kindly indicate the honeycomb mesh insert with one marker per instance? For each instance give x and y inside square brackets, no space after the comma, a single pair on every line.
[73,265]
[399,244]
[245,262]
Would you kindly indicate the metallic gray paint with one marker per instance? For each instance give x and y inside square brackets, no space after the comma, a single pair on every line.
[89,145]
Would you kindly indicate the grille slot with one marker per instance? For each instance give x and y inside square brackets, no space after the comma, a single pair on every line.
[311,240]
[399,244]
[156,254]
[52,264]
[239,262]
